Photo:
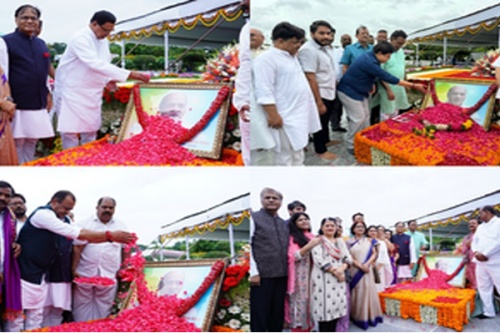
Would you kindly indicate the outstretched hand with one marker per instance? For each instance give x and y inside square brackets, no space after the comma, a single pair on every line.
[124,237]
[134,75]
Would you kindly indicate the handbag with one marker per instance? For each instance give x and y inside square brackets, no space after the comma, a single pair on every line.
[376,275]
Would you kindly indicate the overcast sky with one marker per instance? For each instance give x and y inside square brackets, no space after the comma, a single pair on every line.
[346,15]
[63,18]
[147,197]
[383,195]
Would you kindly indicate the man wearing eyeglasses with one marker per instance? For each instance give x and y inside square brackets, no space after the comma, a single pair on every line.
[28,62]
[84,70]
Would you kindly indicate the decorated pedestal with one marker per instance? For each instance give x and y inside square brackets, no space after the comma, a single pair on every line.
[441,134]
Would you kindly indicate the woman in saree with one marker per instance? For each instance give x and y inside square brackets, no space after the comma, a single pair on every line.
[393,255]
[383,262]
[365,303]
[297,301]
[328,288]
[8,155]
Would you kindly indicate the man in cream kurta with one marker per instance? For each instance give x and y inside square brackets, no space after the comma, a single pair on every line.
[284,93]
[83,72]
[91,260]
[486,249]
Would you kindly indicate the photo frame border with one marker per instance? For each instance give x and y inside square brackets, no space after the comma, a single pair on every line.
[421,268]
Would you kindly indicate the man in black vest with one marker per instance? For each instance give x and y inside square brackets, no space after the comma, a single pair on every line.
[29,62]
[269,268]
[40,240]
[407,254]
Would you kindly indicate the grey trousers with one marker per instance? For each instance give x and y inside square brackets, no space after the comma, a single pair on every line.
[358,113]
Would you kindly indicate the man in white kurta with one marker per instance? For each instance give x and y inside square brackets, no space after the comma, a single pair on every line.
[486,248]
[281,88]
[82,74]
[241,98]
[91,260]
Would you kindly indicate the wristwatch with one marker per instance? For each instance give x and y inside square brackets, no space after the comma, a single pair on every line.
[9,98]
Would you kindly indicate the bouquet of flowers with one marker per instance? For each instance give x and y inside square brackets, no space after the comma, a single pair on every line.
[224,66]
[483,67]
[233,310]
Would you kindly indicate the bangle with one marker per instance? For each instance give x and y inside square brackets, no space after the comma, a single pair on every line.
[108,236]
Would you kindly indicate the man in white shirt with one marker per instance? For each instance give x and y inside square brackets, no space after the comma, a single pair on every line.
[91,260]
[18,206]
[336,54]
[39,239]
[486,248]
[243,84]
[83,72]
[320,73]
[283,92]
[257,42]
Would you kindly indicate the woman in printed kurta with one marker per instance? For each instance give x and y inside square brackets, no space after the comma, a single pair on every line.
[297,310]
[365,303]
[328,289]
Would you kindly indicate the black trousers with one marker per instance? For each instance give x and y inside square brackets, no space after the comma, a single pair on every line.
[267,305]
[328,326]
[322,137]
[375,115]
[336,116]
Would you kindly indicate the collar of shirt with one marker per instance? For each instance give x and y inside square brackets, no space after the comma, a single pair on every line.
[97,220]
[359,46]
[282,52]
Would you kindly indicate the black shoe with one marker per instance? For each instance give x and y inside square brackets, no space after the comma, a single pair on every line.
[483,316]
[339,129]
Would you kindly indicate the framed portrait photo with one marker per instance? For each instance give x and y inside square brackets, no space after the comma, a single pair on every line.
[447,263]
[182,278]
[465,93]
[185,103]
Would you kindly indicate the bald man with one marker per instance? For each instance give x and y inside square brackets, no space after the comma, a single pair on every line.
[256,42]
[90,260]
[457,95]
[173,105]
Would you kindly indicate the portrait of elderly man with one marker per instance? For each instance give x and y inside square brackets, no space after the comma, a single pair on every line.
[457,95]
[173,105]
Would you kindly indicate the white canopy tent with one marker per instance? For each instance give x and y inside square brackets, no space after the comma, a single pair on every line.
[183,24]
[479,28]
[453,221]
[229,220]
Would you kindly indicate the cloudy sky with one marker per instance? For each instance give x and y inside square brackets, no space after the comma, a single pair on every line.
[346,15]
[147,197]
[383,195]
[63,18]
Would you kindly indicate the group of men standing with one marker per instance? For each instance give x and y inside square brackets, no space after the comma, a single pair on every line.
[301,86]
[42,253]
[83,72]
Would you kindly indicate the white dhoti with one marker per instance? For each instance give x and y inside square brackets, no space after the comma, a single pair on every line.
[33,299]
[488,276]
[287,156]
[92,302]
[58,299]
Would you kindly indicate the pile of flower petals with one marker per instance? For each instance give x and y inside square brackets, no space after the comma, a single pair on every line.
[435,281]
[153,314]
[445,113]
[95,280]
[472,147]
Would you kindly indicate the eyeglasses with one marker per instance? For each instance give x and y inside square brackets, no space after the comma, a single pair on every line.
[105,30]
[28,18]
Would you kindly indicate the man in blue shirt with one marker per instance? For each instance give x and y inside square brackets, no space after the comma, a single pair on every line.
[359,82]
[353,51]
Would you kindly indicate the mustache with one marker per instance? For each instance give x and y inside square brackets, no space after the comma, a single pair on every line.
[106,213]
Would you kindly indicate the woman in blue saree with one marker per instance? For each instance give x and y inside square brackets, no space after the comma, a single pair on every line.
[365,303]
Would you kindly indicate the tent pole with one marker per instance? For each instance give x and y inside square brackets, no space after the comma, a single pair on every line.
[161,248]
[187,248]
[445,46]
[417,56]
[122,43]
[165,43]
[430,239]
[231,242]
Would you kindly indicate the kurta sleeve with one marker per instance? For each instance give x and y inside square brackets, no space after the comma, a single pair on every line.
[4,58]
[319,259]
[243,80]
[413,253]
[46,219]
[346,57]
[378,72]
[493,247]
[84,50]
[264,80]
[383,256]
[253,265]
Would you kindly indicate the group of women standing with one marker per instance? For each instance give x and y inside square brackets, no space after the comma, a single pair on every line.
[332,281]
